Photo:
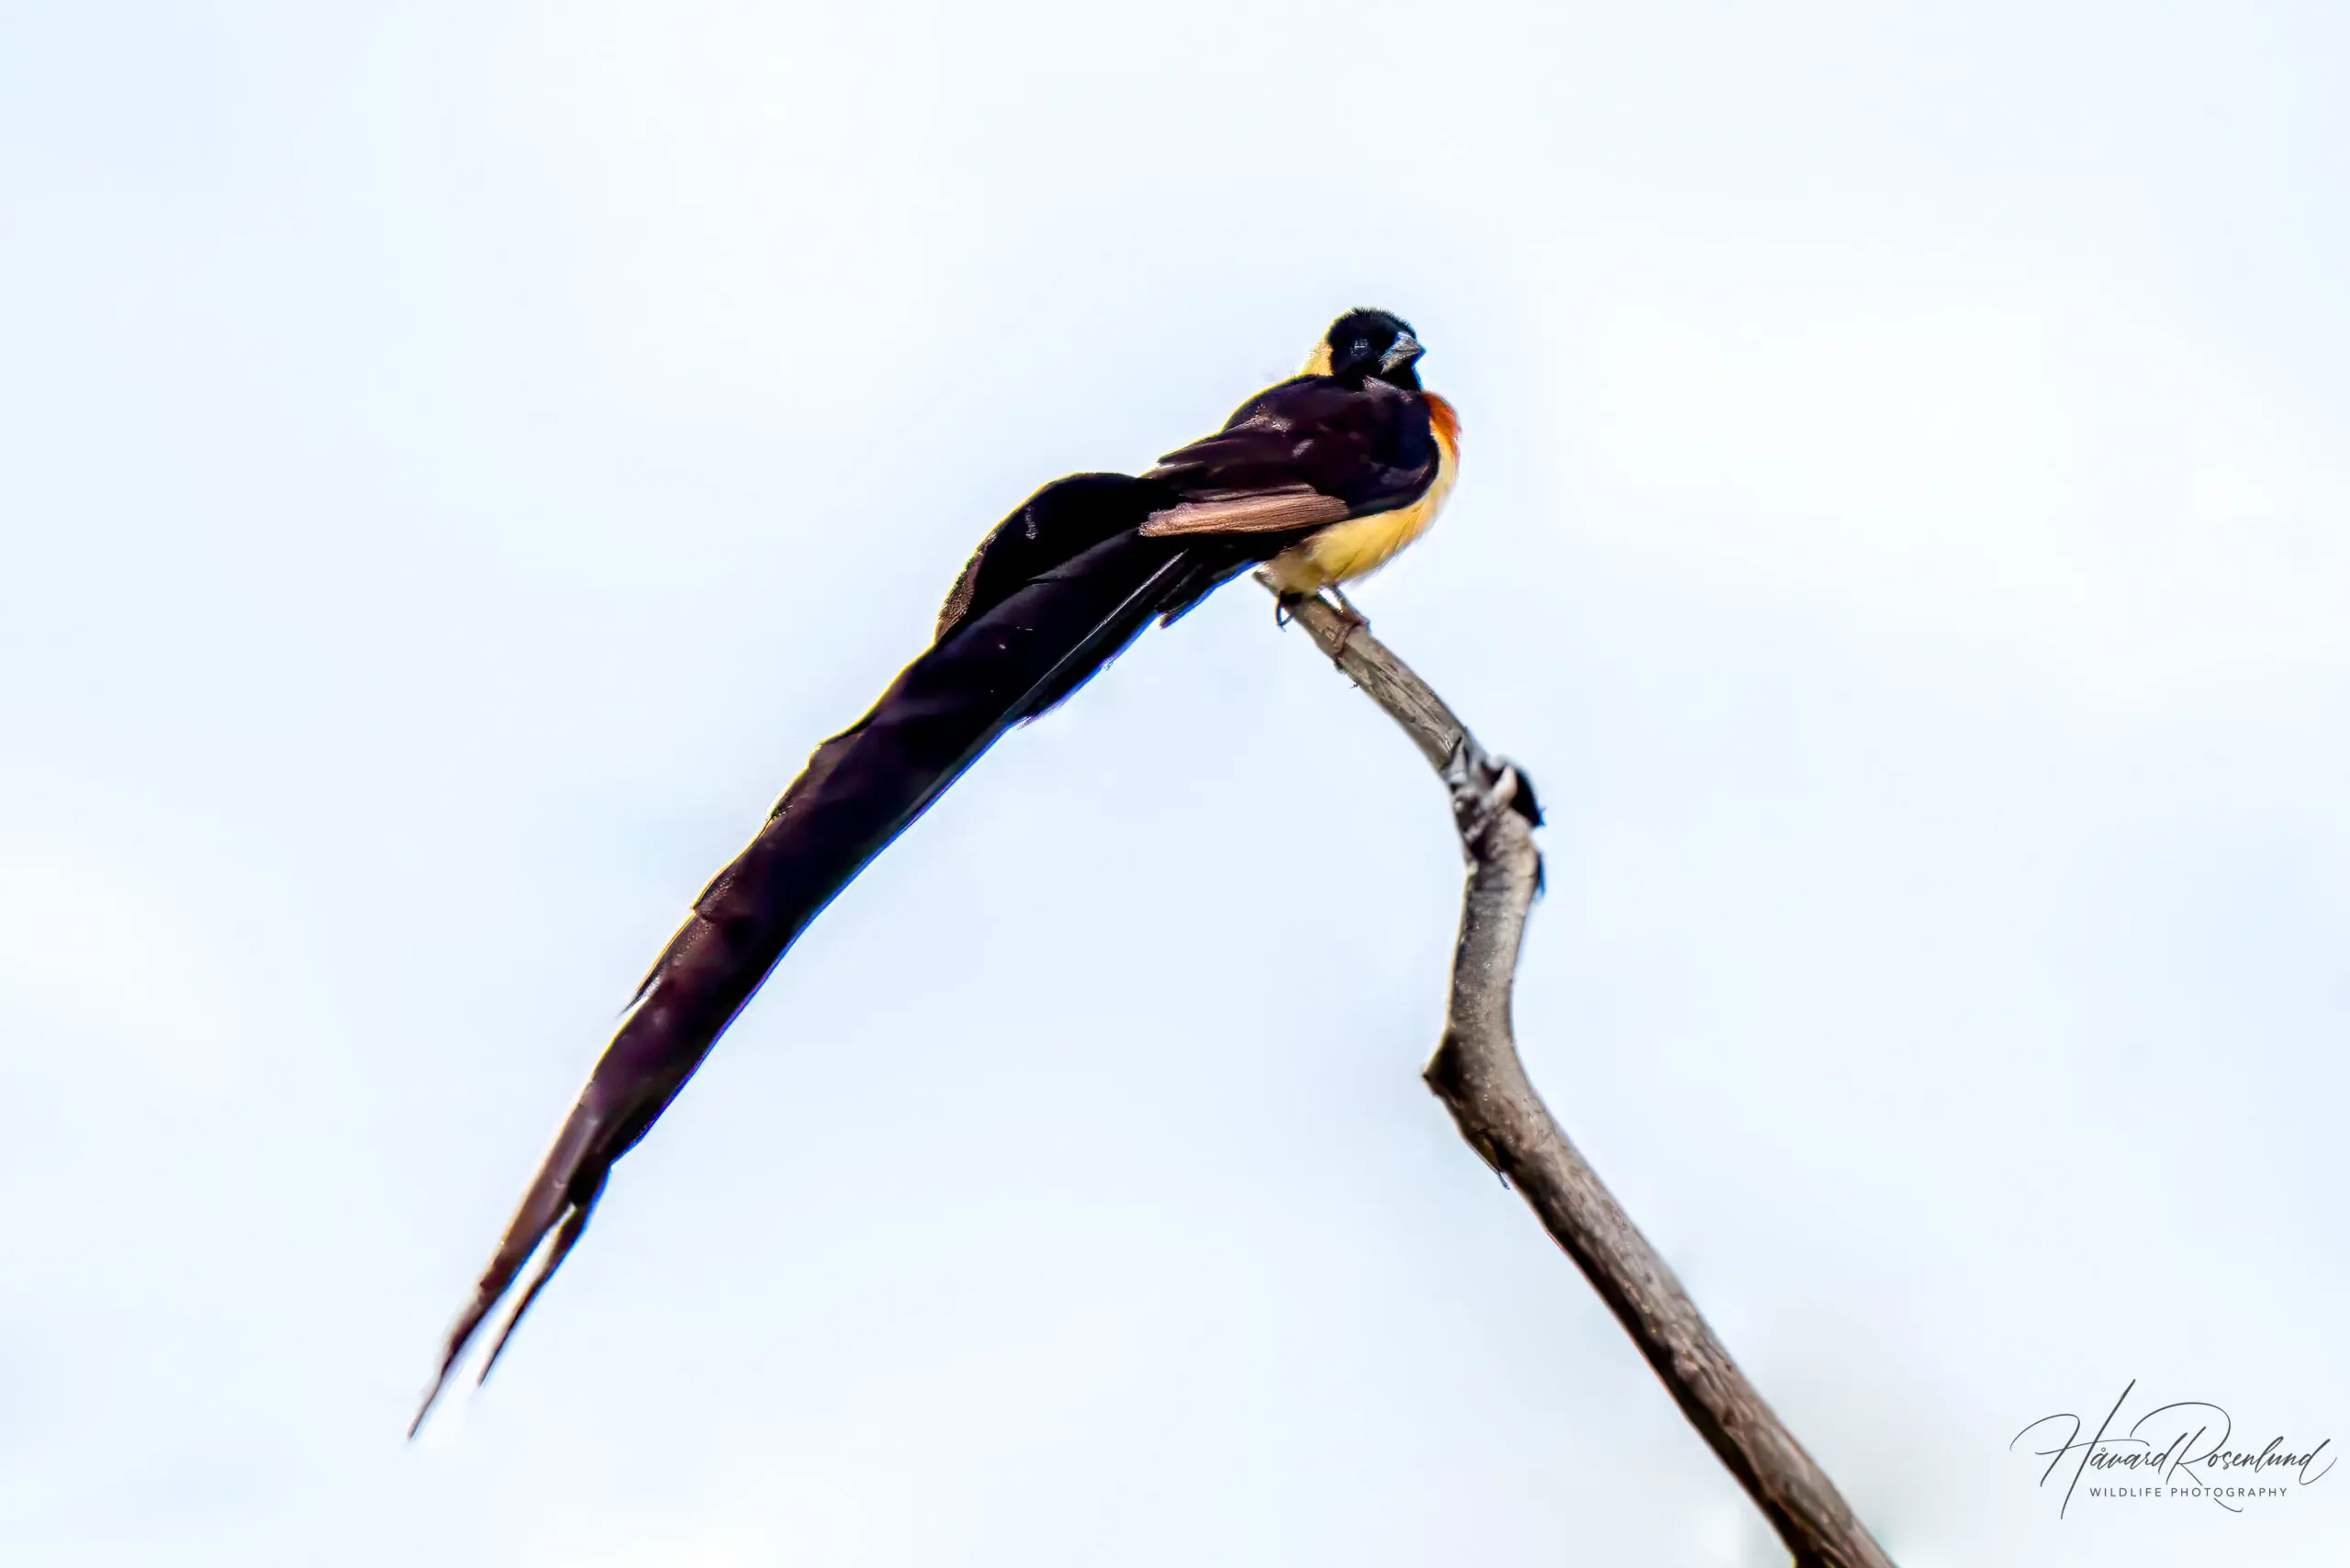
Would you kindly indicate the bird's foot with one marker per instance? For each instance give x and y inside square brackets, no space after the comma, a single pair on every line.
[1286,608]
[1352,621]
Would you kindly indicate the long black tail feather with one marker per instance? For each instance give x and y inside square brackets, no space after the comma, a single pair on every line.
[1075,583]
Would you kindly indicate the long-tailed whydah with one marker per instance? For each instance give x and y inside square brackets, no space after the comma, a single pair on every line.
[1320,480]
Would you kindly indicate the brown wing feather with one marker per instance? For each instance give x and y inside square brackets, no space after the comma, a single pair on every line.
[1262,511]
[967,588]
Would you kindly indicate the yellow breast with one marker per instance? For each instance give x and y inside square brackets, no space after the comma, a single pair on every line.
[1359,546]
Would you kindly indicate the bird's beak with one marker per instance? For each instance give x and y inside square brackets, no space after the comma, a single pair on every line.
[1403,351]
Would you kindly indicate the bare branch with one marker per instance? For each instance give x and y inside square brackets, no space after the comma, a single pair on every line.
[1477,1073]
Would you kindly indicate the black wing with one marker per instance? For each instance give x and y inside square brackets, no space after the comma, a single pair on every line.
[1307,452]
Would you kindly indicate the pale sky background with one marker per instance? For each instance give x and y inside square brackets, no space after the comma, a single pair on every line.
[456,460]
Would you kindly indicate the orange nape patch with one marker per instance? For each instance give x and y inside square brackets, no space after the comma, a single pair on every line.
[1445,420]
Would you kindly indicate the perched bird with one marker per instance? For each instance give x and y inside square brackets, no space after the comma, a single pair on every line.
[1321,479]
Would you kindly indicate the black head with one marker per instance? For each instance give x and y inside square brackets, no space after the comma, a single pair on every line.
[1362,344]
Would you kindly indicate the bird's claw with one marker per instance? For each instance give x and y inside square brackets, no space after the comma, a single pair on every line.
[1351,620]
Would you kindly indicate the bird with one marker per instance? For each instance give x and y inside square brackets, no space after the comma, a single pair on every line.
[1319,480]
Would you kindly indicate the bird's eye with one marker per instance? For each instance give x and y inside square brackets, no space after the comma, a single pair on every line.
[1361,349]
